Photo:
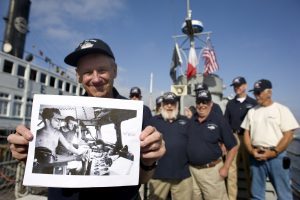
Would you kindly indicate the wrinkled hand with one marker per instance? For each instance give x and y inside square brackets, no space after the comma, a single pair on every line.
[266,155]
[187,112]
[19,142]
[152,145]
[223,172]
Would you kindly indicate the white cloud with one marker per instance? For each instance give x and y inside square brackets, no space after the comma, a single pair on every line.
[58,19]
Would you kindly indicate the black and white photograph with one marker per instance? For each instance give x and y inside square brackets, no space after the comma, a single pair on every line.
[84,142]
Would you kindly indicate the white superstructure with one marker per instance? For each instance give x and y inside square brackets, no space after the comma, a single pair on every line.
[19,81]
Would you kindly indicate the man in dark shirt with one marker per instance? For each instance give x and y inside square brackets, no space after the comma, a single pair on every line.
[136,94]
[172,173]
[191,110]
[236,110]
[96,70]
[206,131]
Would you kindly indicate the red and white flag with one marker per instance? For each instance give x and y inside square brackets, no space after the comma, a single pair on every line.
[192,64]
[210,61]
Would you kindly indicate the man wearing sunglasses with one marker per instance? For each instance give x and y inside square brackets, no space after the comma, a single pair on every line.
[235,112]
[269,128]
[207,130]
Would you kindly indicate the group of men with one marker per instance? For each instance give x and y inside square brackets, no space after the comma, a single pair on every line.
[182,154]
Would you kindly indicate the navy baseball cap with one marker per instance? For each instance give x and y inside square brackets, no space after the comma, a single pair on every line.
[238,81]
[169,97]
[135,90]
[86,47]
[261,85]
[200,86]
[202,96]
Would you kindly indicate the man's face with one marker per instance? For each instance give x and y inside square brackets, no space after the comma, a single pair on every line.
[169,109]
[263,97]
[203,108]
[55,121]
[240,89]
[96,72]
[71,125]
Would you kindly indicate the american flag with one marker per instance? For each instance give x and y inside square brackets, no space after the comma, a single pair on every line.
[210,61]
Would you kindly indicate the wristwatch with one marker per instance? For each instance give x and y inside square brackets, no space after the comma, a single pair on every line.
[148,168]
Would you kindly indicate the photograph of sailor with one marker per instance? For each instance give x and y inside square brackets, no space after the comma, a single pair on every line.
[70,130]
[47,139]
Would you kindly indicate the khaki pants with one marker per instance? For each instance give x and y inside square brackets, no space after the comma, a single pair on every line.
[208,184]
[160,188]
[241,158]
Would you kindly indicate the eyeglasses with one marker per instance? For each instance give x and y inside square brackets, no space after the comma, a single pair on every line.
[257,93]
[206,102]
[166,102]
[134,95]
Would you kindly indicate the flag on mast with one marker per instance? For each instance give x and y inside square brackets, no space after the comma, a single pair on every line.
[192,64]
[210,59]
[176,60]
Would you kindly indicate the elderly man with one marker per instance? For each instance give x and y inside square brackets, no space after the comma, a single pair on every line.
[236,110]
[96,70]
[269,129]
[172,173]
[207,130]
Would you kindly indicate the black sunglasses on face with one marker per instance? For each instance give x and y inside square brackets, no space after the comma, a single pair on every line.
[203,102]
[257,93]
[169,102]
[134,95]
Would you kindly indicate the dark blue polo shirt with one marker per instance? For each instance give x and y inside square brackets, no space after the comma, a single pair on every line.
[236,111]
[174,164]
[105,193]
[146,115]
[204,138]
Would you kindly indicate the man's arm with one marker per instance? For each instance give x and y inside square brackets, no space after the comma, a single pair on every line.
[229,158]
[281,146]
[152,149]
[68,146]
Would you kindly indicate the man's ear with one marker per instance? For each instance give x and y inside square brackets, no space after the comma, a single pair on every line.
[79,78]
[115,70]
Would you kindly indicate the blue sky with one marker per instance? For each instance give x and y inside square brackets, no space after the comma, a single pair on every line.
[252,38]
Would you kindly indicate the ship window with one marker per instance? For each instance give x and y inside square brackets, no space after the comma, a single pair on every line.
[17,106]
[43,78]
[67,87]
[4,103]
[21,70]
[80,91]
[60,84]
[32,75]
[74,89]
[52,81]
[7,67]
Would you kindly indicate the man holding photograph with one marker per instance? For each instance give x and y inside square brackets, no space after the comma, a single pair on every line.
[96,70]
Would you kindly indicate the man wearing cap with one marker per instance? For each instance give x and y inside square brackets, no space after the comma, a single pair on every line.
[269,128]
[136,94]
[206,131]
[96,70]
[172,173]
[189,112]
[236,110]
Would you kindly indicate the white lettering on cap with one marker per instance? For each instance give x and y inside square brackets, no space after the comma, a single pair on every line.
[203,94]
